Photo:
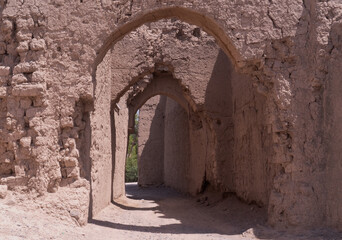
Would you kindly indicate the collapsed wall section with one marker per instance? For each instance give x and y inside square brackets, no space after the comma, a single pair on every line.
[25,111]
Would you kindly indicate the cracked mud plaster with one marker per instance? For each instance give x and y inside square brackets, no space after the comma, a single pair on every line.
[262,78]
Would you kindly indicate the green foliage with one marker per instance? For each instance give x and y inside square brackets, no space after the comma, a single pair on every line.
[131,173]
[136,121]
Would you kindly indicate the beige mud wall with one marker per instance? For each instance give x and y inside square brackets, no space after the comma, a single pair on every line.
[176,147]
[50,51]
[197,62]
[120,146]
[333,136]
[212,144]
[202,149]
[151,142]
[108,141]
[101,140]
[242,143]
[218,108]
[152,152]
[252,142]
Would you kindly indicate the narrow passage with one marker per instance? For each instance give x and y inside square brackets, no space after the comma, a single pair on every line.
[155,213]
[163,213]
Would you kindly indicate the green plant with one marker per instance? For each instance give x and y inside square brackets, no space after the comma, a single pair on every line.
[131,171]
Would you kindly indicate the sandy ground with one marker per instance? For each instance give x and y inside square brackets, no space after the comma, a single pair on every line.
[153,213]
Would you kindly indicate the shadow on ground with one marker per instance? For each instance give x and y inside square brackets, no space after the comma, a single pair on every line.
[208,214]
[224,217]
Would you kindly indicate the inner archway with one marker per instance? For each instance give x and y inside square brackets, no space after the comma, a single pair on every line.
[163,144]
[221,121]
[172,141]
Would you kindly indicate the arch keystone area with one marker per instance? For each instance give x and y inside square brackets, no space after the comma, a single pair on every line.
[187,15]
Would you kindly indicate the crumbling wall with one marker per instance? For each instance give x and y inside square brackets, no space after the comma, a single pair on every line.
[215,157]
[41,122]
[24,103]
[50,52]
[239,130]
[183,49]
[151,142]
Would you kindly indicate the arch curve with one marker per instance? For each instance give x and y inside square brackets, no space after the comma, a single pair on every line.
[162,85]
[184,14]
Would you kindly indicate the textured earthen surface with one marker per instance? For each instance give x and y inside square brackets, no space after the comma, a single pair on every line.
[261,80]
[151,142]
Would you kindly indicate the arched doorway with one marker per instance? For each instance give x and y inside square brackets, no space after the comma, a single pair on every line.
[226,124]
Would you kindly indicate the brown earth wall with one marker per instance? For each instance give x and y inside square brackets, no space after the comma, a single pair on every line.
[65,64]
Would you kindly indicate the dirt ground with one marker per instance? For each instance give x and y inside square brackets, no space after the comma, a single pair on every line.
[153,213]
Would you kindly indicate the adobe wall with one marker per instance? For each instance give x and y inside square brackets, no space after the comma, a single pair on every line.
[51,54]
[241,141]
[151,142]
[120,129]
[252,149]
[182,49]
[219,109]
[176,146]
[333,123]
[101,144]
